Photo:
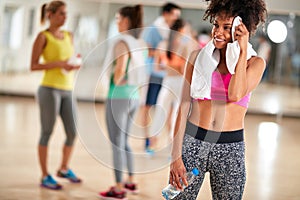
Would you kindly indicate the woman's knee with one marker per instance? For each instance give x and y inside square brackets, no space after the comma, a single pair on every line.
[44,139]
[70,139]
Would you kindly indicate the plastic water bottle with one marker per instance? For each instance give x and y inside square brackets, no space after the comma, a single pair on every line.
[74,60]
[170,192]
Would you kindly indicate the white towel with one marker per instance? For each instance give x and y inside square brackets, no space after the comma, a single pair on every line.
[233,53]
[206,63]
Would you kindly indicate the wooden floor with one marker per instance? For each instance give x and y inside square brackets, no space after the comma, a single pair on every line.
[272,157]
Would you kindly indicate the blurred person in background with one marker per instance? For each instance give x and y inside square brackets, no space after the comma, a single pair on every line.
[153,35]
[203,38]
[172,55]
[127,55]
[54,95]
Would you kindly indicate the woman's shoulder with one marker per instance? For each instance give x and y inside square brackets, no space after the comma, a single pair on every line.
[256,61]
[68,33]
[42,35]
[120,47]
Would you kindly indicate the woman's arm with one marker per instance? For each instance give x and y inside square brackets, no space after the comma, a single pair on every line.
[247,73]
[177,168]
[157,53]
[121,52]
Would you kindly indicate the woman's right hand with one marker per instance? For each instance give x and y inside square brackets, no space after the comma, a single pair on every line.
[68,67]
[177,173]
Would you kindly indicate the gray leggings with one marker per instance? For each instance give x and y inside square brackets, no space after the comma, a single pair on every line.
[119,116]
[53,102]
[225,162]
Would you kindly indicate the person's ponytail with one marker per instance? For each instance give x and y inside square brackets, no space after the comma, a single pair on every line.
[139,16]
[43,13]
[50,8]
[135,17]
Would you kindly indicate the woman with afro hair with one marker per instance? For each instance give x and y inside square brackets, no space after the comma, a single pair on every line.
[219,79]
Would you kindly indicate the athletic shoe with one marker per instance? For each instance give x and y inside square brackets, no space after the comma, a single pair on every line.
[68,175]
[50,183]
[112,194]
[150,152]
[131,188]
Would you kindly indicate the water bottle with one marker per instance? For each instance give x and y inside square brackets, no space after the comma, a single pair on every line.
[74,60]
[170,192]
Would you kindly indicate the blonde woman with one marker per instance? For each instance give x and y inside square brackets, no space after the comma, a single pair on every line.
[55,46]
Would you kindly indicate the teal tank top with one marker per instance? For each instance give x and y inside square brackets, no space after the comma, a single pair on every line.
[122,91]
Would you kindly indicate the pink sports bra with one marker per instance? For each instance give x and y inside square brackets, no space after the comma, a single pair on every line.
[219,89]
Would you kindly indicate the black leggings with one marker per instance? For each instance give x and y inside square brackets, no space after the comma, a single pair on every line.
[225,161]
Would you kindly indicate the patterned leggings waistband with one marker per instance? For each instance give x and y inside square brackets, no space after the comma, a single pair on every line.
[214,136]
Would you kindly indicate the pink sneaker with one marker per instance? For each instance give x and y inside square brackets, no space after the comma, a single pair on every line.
[131,188]
[112,194]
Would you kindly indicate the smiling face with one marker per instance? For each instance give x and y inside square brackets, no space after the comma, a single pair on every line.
[221,31]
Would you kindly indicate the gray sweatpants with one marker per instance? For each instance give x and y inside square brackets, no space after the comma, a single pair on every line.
[119,118]
[53,102]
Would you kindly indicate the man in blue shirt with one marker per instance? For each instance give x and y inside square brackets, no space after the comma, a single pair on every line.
[153,35]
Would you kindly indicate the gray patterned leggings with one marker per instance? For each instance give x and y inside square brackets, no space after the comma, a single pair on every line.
[224,161]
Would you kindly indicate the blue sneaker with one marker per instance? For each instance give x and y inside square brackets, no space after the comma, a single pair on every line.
[50,183]
[68,175]
[150,152]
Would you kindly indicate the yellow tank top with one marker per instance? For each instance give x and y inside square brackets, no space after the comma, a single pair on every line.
[58,50]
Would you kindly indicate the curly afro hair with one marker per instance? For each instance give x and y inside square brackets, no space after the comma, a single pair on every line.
[253,13]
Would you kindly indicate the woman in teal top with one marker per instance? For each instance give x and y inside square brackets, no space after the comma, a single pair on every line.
[123,91]
[123,99]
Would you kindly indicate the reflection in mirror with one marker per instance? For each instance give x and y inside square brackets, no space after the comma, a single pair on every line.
[13,26]
[31,22]
[86,33]
[12,31]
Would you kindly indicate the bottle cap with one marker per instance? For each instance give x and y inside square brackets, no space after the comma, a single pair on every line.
[195,171]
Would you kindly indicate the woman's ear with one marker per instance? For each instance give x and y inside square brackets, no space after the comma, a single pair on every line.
[49,15]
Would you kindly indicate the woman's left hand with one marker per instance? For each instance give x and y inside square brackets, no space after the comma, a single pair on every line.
[242,36]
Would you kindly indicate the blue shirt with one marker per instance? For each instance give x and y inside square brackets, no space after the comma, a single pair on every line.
[152,37]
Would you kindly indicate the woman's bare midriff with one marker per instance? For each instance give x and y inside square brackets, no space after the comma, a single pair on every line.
[217,115]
